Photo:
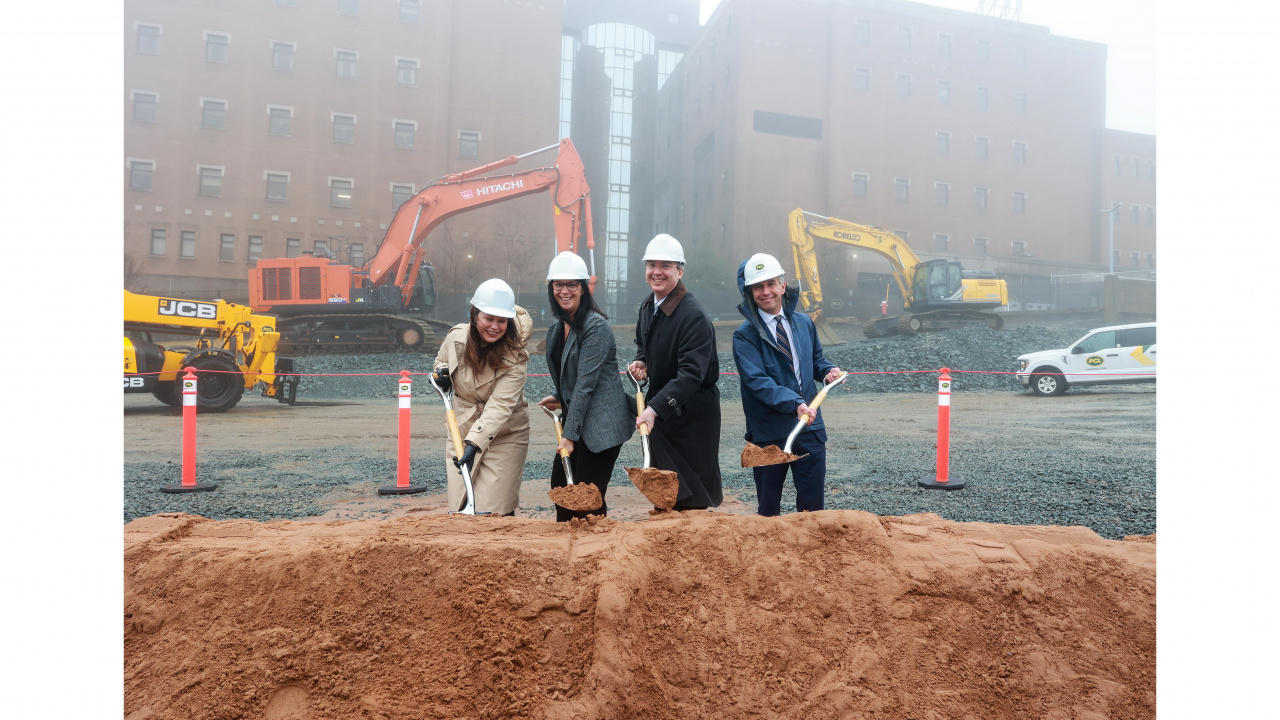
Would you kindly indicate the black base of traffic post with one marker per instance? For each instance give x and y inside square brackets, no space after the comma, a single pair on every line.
[198,487]
[397,490]
[931,482]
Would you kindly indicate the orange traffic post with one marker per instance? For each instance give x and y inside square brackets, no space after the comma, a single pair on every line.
[402,486]
[941,479]
[189,397]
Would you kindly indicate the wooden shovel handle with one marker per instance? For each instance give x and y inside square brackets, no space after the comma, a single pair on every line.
[817,400]
[453,431]
[644,427]
[564,452]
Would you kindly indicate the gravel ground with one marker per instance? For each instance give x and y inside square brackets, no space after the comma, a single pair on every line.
[1087,458]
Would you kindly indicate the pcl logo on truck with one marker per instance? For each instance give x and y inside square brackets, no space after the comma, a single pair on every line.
[1094,361]
[496,187]
[185,308]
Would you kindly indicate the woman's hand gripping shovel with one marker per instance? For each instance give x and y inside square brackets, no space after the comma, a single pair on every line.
[446,394]
[661,487]
[756,456]
[583,497]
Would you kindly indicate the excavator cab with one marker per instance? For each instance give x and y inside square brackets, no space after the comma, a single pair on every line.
[937,283]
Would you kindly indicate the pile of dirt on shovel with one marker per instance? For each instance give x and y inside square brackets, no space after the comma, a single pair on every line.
[835,614]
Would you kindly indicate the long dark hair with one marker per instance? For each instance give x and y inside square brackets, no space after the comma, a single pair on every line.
[586,305]
[495,354]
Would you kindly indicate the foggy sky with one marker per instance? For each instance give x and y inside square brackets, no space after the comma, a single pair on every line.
[1126,27]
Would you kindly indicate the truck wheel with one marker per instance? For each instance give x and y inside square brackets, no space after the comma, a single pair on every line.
[168,393]
[217,391]
[1046,385]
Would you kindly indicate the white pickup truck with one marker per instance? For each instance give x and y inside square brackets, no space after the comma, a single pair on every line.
[1107,355]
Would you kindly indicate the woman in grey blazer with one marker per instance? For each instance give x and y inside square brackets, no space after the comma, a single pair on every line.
[582,358]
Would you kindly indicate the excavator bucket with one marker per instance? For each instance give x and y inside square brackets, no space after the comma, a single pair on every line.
[826,334]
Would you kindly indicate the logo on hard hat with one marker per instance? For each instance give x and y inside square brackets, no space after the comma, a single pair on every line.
[760,266]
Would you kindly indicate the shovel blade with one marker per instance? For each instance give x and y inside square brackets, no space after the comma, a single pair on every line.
[581,497]
[755,456]
[661,487]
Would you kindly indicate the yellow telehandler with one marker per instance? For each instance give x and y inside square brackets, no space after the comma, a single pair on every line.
[235,346]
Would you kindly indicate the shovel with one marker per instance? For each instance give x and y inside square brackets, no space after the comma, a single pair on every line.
[469,503]
[579,498]
[661,487]
[755,456]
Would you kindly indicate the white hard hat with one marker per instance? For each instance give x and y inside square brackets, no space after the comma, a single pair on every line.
[496,298]
[761,267]
[664,247]
[568,265]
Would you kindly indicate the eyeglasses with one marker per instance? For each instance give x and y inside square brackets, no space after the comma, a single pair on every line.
[561,287]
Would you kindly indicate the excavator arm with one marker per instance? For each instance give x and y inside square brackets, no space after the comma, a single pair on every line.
[882,242]
[401,252]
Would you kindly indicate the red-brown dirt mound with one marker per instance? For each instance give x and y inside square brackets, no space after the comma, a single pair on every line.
[835,614]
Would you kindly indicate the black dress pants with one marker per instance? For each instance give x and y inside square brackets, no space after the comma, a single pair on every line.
[588,467]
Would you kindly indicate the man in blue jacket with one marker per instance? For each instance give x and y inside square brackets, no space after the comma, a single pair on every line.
[778,356]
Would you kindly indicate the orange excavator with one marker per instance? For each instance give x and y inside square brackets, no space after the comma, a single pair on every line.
[325,307]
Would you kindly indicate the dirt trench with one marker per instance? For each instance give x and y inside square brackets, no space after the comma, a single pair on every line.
[834,614]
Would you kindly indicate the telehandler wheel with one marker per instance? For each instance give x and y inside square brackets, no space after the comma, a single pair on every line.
[168,393]
[217,391]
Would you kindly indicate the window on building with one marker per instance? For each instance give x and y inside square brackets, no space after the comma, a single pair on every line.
[140,174]
[355,254]
[1019,248]
[292,247]
[944,45]
[280,121]
[904,38]
[941,193]
[944,143]
[939,242]
[980,147]
[346,63]
[1020,103]
[468,144]
[340,192]
[1151,216]
[1137,167]
[1116,162]
[287,3]
[144,106]
[349,7]
[980,246]
[406,71]
[980,198]
[1151,260]
[901,189]
[861,79]
[344,128]
[227,248]
[1151,169]
[1135,257]
[277,187]
[158,236]
[1115,258]
[282,56]
[404,134]
[862,31]
[255,248]
[904,234]
[904,86]
[213,114]
[1020,153]
[983,99]
[984,51]
[1020,58]
[1137,215]
[400,194]
[409,10]
[1019,203]
[673,18]
[210,180]
[187,248]
[944,92]
[148,38]
[860,184]
[320,248]
[216,47]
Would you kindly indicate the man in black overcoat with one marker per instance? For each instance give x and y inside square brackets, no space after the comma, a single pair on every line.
[676,351]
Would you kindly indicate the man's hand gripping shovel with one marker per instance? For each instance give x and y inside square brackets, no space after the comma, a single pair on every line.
[756,456]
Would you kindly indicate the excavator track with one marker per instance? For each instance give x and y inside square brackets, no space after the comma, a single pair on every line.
[914,323]
[358,335]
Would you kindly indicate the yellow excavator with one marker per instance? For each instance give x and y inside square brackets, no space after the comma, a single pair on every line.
[236,343]
[937,294]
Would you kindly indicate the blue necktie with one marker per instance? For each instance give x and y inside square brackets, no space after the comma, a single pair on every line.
[785,345]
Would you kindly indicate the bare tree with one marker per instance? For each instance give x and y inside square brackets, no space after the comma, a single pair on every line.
[522,248]
[133,275]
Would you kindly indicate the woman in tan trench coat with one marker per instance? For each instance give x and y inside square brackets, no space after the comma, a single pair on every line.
[488,365]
